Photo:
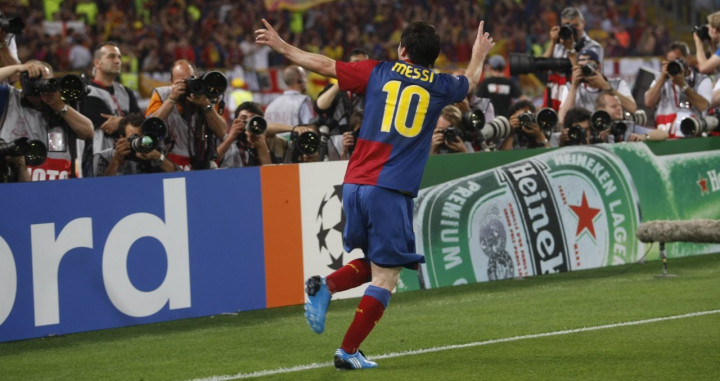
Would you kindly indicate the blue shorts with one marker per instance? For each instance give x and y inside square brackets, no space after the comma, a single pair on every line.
[379,222]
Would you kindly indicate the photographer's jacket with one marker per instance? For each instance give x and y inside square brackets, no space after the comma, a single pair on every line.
[44,126]
[180,126]
[674,105]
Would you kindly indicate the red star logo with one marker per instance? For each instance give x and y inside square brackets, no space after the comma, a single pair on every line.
[703,185]
[585,214]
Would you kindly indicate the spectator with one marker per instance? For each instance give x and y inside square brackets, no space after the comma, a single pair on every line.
[501,91]
[107,102]
[42,116]
[191,119]
[680,94]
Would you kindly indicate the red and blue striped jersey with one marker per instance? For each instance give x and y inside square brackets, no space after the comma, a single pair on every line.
[402,104]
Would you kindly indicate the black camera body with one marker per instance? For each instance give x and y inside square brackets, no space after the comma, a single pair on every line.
[307,143]
[71,87]
[211,84]
[13,25]
[676,67]
[545,118]
[567,32]
[576,135]
[450,134]
[521,63]
[589,69]
[153,132]
[702,31]
[34,151]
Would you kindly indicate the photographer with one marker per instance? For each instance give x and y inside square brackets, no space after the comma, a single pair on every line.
[40,115]
[569,37]
[191,119]
[576,127]
[243,148]
[106,103]
[587,84]
[447,135]
[124,160]
[8,52]
[708,65]
[525,135]
[678,91]
[335,108]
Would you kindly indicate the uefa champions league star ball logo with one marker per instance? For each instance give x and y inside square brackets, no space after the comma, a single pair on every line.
[330,224]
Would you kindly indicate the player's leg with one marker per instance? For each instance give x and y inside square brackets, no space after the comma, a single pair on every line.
[367,315]
[357,272]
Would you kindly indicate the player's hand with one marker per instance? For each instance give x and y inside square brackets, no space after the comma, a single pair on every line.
[483,42]
[270,37]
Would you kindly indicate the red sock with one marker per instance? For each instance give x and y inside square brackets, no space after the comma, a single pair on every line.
[353,274]
[367,314]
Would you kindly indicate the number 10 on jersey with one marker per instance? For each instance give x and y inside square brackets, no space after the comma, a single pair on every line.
[397,109]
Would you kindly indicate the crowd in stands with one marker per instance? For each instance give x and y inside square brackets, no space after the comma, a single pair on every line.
[209,32]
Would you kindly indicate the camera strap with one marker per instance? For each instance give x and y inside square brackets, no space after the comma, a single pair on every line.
[4,93]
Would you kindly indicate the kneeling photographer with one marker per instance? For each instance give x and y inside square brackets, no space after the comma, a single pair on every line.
[140,149]
[38,112]
[530,130]
[246,145]
[447,137]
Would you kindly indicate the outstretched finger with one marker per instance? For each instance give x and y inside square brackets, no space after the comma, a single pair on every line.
[480,27]
[267,25]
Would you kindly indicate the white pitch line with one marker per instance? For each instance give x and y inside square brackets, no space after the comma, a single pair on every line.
[457,346]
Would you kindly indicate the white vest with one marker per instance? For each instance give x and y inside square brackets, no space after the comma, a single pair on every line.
[100,141]
[30,123]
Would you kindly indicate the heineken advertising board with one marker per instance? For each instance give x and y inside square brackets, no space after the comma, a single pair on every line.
[554,210]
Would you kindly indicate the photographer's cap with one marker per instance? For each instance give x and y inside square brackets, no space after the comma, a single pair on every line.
[591,54]
[497,62]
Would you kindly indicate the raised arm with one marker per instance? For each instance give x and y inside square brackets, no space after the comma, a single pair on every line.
[317,63]
[481,47]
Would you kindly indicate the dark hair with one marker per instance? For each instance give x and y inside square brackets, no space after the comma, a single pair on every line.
[576,115]
[97,54]
[357,52]
[678,45]
[422,43]
[135,118]
[519,105]
[249,106]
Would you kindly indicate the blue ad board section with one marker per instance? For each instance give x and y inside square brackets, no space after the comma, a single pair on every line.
[93,254]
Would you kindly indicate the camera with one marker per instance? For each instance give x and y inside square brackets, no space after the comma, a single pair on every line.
[546,118]
[675,67]
[639,117]
[13,25]
[576,135]
[567,32]
[524,64]
[498,128]
[600,120]
[696,126]
[307,143]
[450,134]
[702,31]
[589,69]
[71,87]
[153,132]
[34,151]
[212,84]
[257,125]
